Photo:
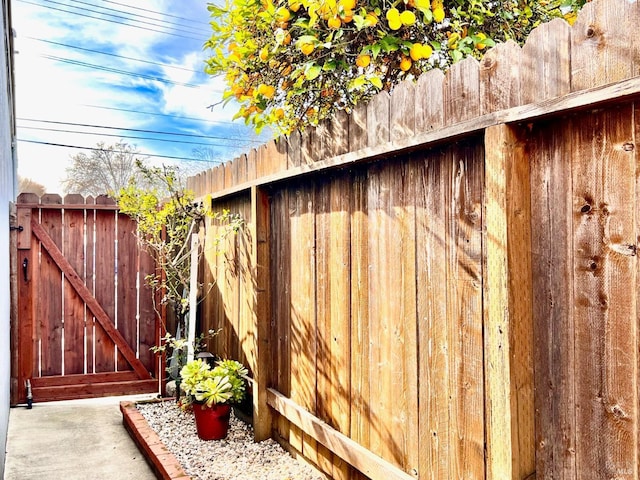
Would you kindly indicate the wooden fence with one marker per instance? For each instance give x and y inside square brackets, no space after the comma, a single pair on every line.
[444,283]
[85,320]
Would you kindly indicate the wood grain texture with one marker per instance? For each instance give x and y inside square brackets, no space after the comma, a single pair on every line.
[429,106]
[500,78]
[551,247]
[604,44]
[74,311]
[402,114]
[604,265]
[464,311]
[431,307]
[546,67]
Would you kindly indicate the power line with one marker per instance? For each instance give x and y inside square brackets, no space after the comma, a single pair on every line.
[185,142]
[135,15]
[93,66]
[110,21]
[112,54]
[158,114]
[116,151]
[132,129]
[84,9]
[153,11]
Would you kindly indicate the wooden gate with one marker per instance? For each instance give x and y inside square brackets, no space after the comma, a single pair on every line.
[85,318]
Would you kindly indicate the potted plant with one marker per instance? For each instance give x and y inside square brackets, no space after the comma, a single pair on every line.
[211,392]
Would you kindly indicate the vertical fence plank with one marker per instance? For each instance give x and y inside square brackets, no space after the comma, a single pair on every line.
[604,261]
[260,310]
[404,347]
[340,311]
[378,118]
[294,149]
[518,189]
[429,101]
[402,111]
[545,69]
[361,384]
[464,311]
[508,323]
[74,311]
[461,91]
[281,283]
[323,315]
[500,76]
[105,277]
[377,199]
[552,311]
[90,259]
[126,319]
[433,342]
[604,44]
[303,309]
[50,306]
[358,133]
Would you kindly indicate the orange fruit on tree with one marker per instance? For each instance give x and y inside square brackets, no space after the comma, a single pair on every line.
[334,23]
[416,52]
[408,17]
[307,48]
[405,64]
[266,91]
[438,14]
[363,60]
[283,14]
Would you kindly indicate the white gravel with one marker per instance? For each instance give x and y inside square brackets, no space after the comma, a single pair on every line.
[234,458]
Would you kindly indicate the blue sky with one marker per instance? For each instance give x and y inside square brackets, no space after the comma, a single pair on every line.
[78,67]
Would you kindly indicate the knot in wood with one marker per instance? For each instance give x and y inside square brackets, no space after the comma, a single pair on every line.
[628,146]
[591,32]
[487,62]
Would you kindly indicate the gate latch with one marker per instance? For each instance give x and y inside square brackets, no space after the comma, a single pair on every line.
[19,228]
[25,265]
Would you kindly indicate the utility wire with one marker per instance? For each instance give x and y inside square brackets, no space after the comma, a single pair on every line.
[84,9]
[186,142]
[132,129]
[115,151]
[111,21]
[163,21]
[159,114]
[112,54]
[93,66]
[153,11]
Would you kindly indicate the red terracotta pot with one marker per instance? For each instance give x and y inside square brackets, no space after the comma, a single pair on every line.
[212,423]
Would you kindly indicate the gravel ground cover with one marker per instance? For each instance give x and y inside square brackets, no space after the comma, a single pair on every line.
[234,458]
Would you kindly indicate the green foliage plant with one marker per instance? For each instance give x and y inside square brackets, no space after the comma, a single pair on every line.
[166,218]
[292,63]
[224,383]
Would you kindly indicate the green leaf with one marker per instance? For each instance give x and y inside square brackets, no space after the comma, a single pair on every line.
[376,82]
[312,72]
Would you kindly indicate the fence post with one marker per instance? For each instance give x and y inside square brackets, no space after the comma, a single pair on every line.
[261,311]
[507,307]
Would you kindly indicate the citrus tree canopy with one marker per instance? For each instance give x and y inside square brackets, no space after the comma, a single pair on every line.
[291,63]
